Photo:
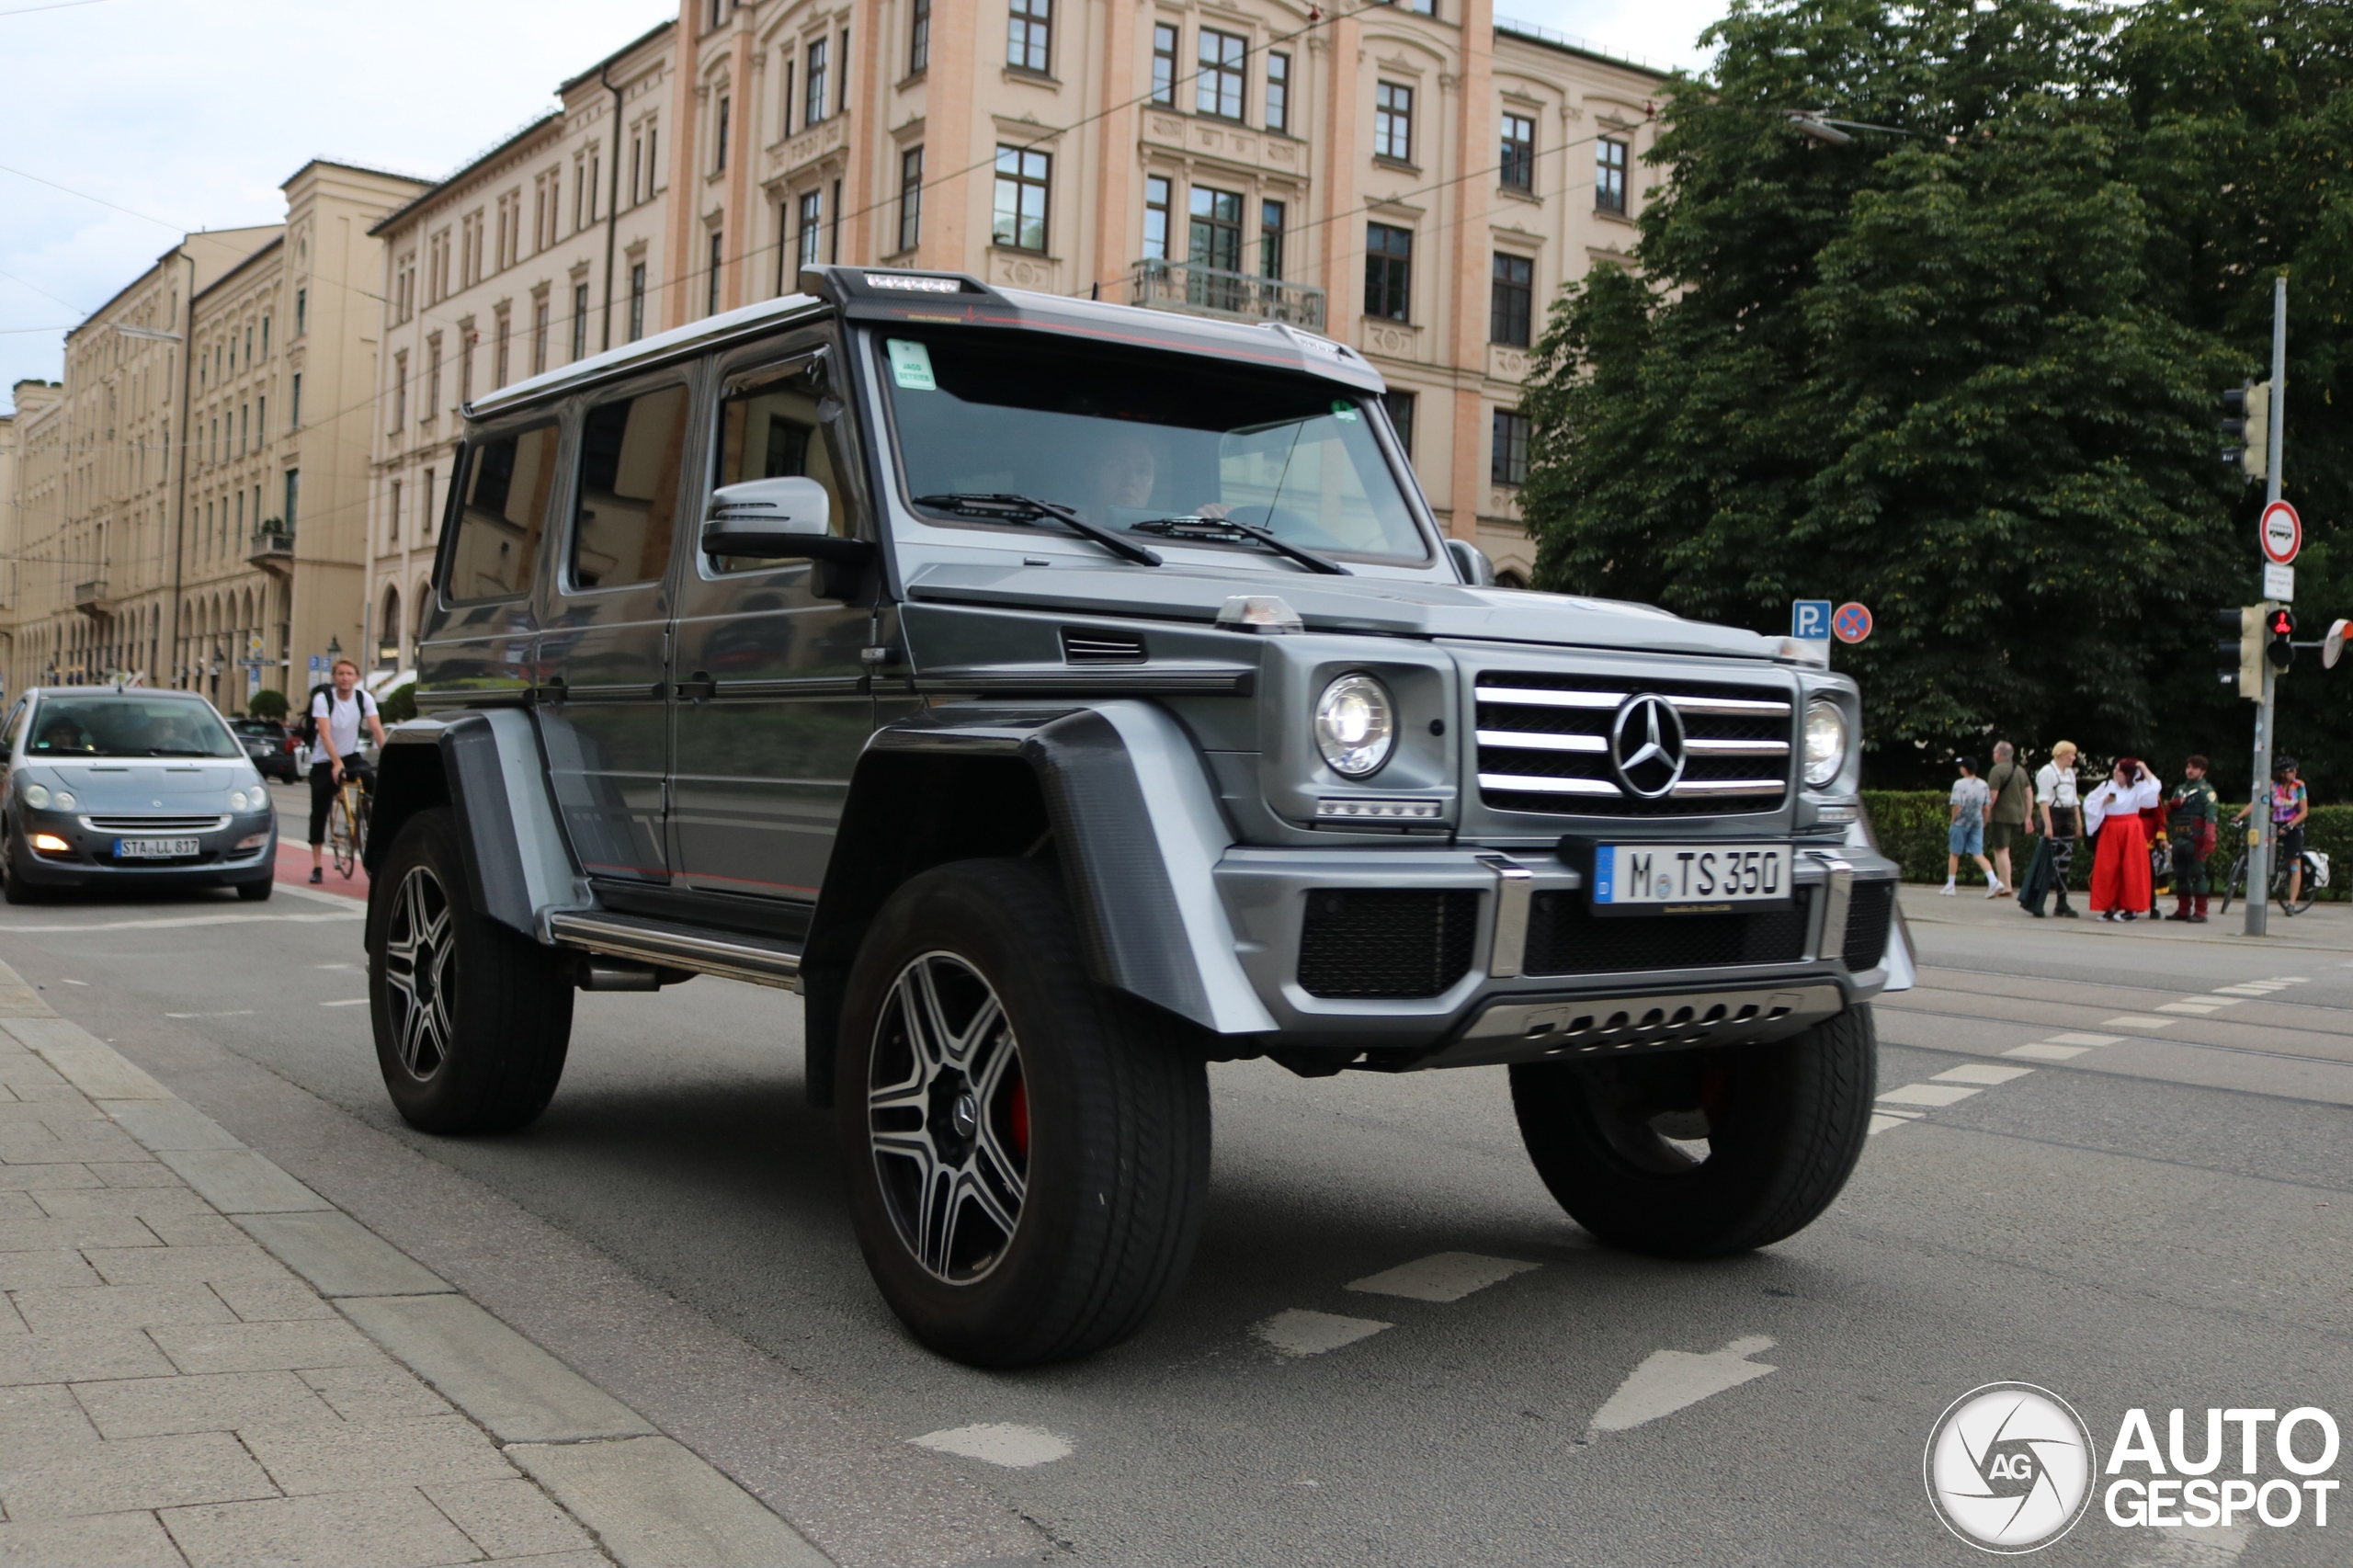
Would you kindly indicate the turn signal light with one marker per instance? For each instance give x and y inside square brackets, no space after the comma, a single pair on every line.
[50,844]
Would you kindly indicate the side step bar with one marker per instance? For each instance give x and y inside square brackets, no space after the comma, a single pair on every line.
[758,960]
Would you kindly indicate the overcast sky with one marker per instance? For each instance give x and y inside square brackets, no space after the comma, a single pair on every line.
[189,115]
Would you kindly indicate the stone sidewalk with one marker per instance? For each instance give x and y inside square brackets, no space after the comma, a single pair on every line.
[202,1361]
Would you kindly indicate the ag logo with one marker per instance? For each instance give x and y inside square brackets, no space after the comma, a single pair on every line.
[2009,1468]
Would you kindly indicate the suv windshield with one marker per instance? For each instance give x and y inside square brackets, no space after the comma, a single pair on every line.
[1124,438]
[128,726]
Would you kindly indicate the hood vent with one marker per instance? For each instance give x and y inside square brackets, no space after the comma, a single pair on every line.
[1101,647]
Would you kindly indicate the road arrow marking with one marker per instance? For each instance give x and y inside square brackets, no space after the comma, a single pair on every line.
[1669,1380]
[999,1442]
[1298,1332]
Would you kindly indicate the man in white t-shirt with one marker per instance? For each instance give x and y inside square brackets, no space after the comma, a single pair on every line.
[336,715]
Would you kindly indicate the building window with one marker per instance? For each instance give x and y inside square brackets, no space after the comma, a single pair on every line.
[834,237]
[1511,300]
[1610,176]
[539,336]
[1155,218]
[725,105]
[432,381]
[302,311]
[294,414]
[919,38]
[580,321]
[841,99]
[1164,64]
[1518,165]
[293,495]
[1508,462]
[264,338]
[1217,229]
[500,363]
[710,297]
[1218,89]
[1029,35]
[1393,123]
[805,238]
[1279,92]
[1388,272]
[636,170]
[636,302]
[392,533]
[909,199]
[1401,414]
[1421,7]
[1021,176]
[813,108]
[1270,239]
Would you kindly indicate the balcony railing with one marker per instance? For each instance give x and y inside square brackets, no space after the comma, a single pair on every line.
[1211,292]
[90,597]
[271,546]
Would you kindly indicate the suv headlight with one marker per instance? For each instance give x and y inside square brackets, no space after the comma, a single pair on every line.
[1355,725]
[1825,743]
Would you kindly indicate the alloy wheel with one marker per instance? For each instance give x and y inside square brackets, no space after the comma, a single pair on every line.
[948,1118]
[420,968]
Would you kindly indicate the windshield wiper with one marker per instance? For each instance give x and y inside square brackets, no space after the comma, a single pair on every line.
[1004,508]
[1233,527]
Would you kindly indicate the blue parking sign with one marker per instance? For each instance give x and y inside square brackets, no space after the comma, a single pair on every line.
[1809,620]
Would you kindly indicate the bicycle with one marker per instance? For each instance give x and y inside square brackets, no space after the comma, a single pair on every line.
[348,825]
[2315,878]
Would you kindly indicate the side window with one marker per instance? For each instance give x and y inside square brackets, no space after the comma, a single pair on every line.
[16,728]
[632,452]
[502,516]
[769,429]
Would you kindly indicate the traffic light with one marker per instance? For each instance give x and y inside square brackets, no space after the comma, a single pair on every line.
[2246,428]
[2279,632]
[2242,650]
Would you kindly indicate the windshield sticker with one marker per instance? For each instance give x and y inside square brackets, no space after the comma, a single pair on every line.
[911,365]
[1343,411]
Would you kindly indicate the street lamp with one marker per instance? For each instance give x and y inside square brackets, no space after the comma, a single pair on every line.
[1834,132]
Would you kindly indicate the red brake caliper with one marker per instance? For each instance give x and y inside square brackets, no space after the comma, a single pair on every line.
[1017,1114]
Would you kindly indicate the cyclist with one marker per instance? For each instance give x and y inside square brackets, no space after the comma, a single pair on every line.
[2291,804]
[336,714]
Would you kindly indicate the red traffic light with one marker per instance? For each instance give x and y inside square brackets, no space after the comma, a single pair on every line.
[2279,631]
[2281,623]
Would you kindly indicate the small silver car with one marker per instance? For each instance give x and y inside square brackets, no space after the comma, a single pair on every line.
[110,784]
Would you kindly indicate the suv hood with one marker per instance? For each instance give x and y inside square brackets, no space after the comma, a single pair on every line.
[1390,606]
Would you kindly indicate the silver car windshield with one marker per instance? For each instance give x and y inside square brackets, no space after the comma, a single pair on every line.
[128,726]
[1131,440]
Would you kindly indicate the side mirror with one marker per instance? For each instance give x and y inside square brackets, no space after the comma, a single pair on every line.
[779,519]
[1471,564]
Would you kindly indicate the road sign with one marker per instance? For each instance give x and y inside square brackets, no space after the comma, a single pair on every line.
[2282,533]
[2332,647]
[1809,620]
[2278,583]
[1852,623]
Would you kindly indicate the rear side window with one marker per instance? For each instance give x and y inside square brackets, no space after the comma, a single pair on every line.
[631,453]
[504,514]
[769,429]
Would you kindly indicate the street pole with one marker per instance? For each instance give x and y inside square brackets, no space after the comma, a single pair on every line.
[2259,835]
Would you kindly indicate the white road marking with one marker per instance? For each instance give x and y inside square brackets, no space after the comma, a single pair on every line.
[2247,989]
[1981,1073]
[1669,1380]
[84,983]
[2189,1546]
[2082,1039]
[1881,1122]
[237,1013]
[1295,1331]
[346,1002]
[1441,1277]
[334,966]
[2199,1008]
[2294,979]
[1926,1095]
[357,913]
[2047,1053]
[999,1442]
[2138,1021]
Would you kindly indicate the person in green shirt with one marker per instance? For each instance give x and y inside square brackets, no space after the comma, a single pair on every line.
[2011,816]
[2192,813]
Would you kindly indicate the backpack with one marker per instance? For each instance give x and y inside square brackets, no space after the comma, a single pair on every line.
[308,728]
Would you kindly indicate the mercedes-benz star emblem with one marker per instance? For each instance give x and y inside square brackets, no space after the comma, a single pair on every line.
[1646,746]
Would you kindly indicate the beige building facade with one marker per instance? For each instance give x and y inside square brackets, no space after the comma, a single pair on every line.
[191,504]
[1415,179]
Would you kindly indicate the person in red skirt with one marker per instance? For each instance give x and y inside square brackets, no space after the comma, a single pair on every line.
[2121,887]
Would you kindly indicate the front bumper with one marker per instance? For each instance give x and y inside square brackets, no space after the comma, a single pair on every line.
[1494,1012]
[89,858]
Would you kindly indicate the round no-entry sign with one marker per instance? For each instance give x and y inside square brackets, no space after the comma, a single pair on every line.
[2282,533]
[1851,622]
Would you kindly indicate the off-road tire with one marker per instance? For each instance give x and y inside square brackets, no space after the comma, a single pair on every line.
[1115,1142]
[1785,1123]
[490,1060]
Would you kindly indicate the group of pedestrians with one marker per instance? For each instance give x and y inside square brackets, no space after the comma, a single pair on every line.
[2126,816]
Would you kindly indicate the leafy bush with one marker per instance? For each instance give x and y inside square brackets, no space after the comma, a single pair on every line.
[268,703]
[399,703]
[1911,823]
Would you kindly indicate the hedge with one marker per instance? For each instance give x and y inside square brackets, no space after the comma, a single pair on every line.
[1911,825]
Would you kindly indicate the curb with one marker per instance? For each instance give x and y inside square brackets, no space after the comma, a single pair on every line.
[650,1501]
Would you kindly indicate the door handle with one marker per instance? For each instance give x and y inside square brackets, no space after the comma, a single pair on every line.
[700,687]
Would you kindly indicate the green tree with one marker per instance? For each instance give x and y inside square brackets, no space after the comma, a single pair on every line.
[268,703]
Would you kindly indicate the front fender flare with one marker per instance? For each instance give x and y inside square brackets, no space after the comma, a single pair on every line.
[486,766]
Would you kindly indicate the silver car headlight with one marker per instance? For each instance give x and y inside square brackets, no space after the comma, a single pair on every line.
[237,799]
[1826,742]
[1356,725]
[65,801]
[36,796]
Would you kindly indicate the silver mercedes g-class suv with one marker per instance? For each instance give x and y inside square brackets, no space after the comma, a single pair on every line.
[1062,696]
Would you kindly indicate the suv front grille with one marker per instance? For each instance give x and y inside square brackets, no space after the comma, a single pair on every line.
[1870,909]
[1390,944]
[1565,938]
[1544,747]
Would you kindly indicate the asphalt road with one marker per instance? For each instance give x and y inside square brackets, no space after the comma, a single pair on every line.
[2156,1213]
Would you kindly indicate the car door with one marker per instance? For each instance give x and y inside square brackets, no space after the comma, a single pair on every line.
[772,708]
[604,643]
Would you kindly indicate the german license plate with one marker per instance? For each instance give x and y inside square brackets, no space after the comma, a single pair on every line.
[1689,879]
[154,848]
